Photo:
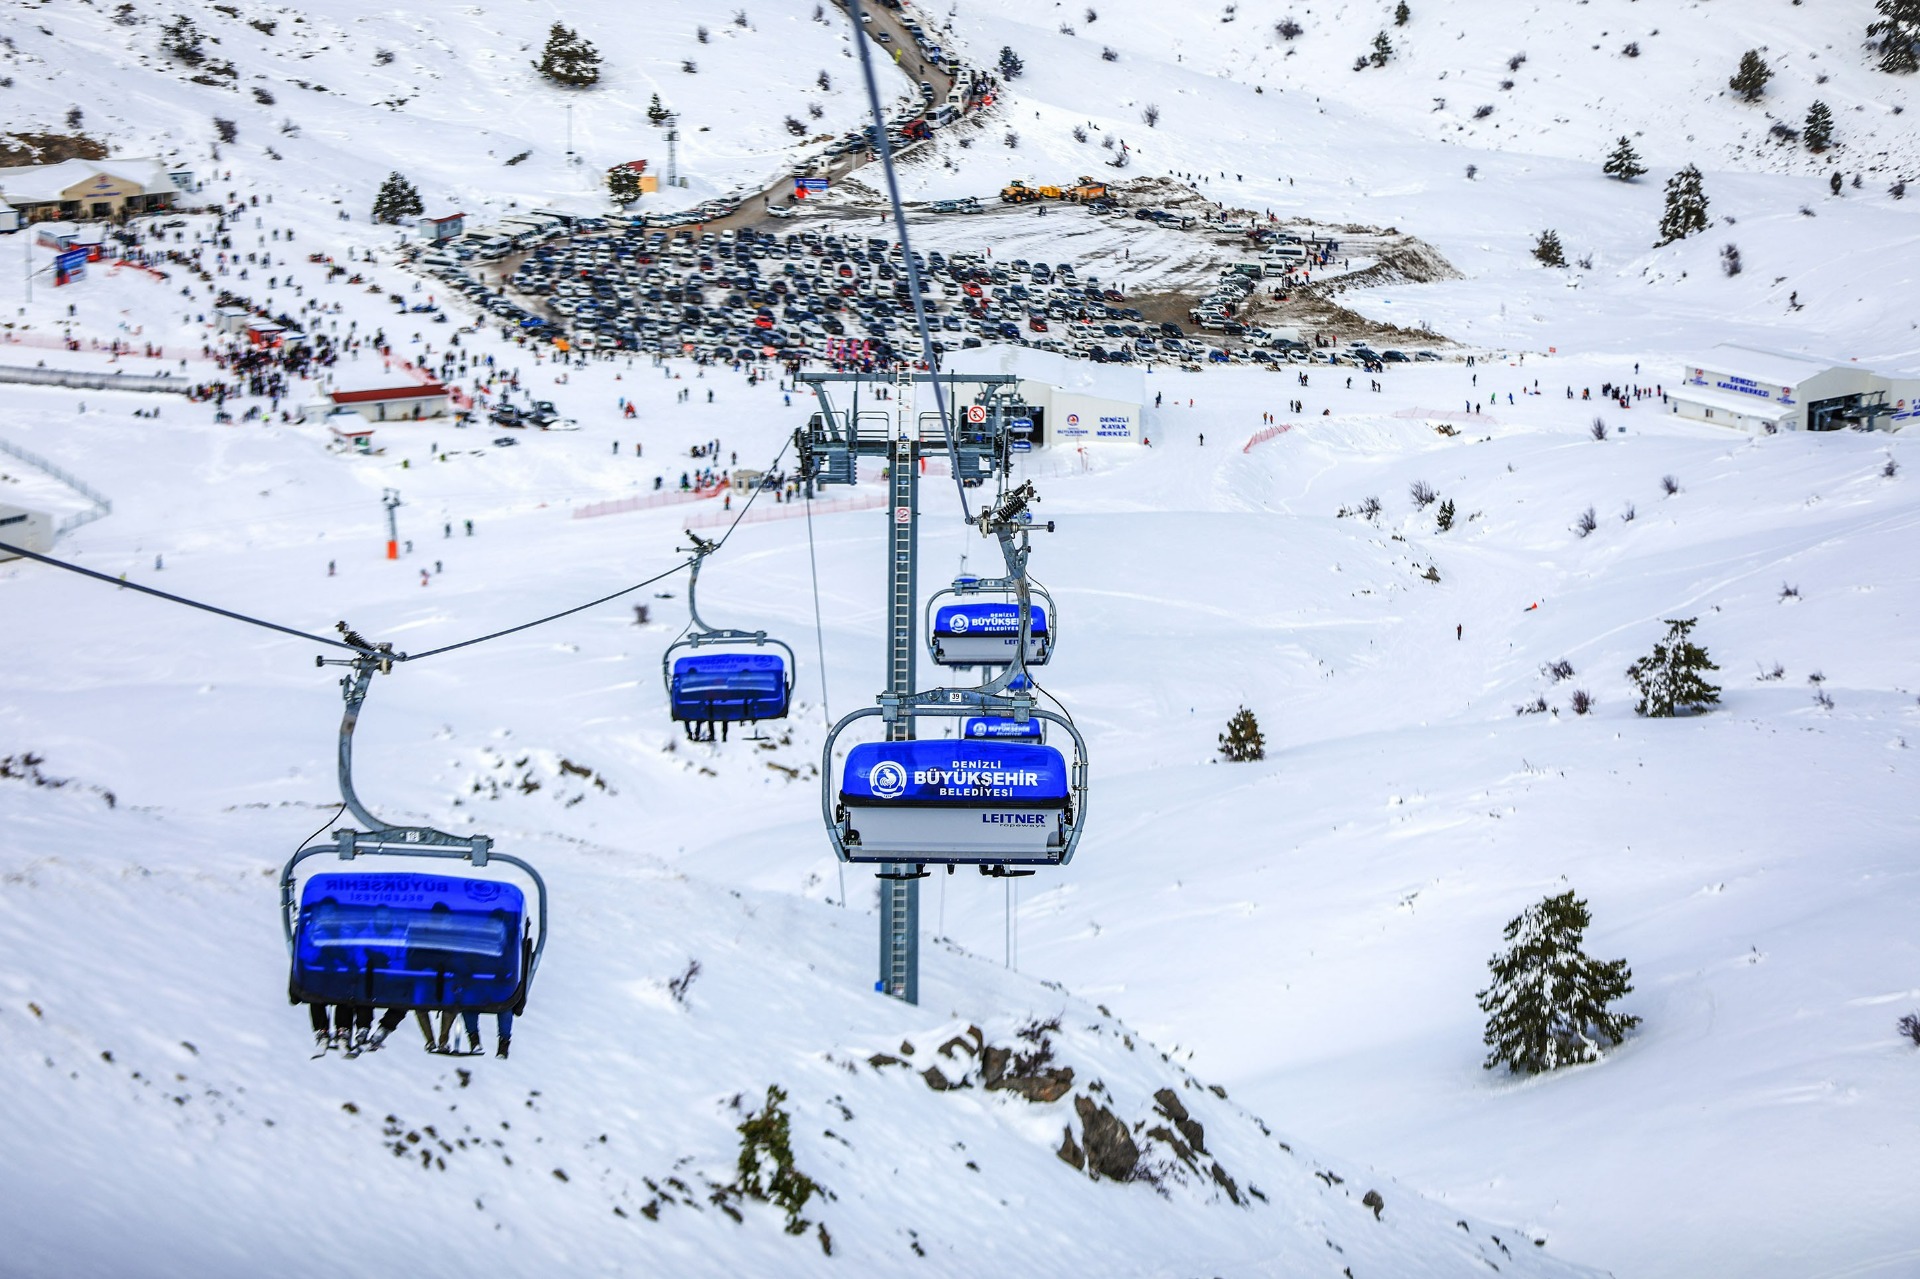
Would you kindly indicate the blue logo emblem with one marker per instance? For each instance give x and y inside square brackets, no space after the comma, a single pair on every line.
[888,779]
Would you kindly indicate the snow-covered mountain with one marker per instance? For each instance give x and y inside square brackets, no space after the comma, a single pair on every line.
[1306,933]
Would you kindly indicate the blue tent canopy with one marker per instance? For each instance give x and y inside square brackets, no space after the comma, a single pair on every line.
[729,687]
[405,940]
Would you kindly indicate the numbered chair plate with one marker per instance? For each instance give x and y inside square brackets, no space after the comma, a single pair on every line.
[729,687]
[986,634]
[404,940]
[955,801]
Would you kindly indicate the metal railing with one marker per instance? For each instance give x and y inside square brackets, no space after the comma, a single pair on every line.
[102,505]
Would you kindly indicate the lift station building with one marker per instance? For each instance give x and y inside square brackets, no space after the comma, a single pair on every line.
[1751,389]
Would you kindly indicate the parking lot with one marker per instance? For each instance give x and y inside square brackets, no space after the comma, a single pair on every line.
[830,287]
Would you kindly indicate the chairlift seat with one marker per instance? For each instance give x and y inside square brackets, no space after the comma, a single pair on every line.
[985,634]
[407,940]
[729,687]
[958,801]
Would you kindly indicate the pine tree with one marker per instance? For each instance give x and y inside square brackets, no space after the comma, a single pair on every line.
[1547,1005]
[569,60]
[1547,249]
[1898,31]
[1401,14]
[657,114]
[180,40]
[1242,742]
[1686,210]
[1819,127]
[1670,678]
[1010,65]
[398,200]
[1624,163]
[1445,518]
[1382,50]
[623,184]
[1750,81]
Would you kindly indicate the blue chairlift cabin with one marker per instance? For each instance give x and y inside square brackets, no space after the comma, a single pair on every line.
[964,629]
[956,801]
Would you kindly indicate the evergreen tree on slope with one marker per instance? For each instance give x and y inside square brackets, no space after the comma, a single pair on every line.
[1819,127]
[1898,31]
[1547,1005]
[1686,210]
[1750,81]
[1624,163]
[1242,742]
[569,60]
[397,201]
[1670,679]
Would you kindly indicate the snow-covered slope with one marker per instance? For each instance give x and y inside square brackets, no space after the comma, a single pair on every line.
[327,99]
[1307,932]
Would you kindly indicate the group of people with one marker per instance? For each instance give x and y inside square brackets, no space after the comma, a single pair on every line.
[355,1031]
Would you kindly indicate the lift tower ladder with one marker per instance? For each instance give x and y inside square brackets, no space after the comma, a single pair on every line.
[899,891]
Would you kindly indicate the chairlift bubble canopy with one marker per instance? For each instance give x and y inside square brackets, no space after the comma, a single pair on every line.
[410,940]
[730,687]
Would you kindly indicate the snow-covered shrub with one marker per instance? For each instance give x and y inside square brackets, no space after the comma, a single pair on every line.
[1671,678]
[1370,508]
[1079,133]
[1669,484]
[1730,259]
[1891,467]
[1517,61]
[1242,742]
[1910,1027]
[1547,250]
[1581,701]
[1549,1002]
[1109,54]
[1011,68]
[1443,519]
[766,1167]
[1150,114]
[1587,522]
[1557,671]
[1422,494]
[1788,592]
[227,130]
[1482,111]
[1288,29]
